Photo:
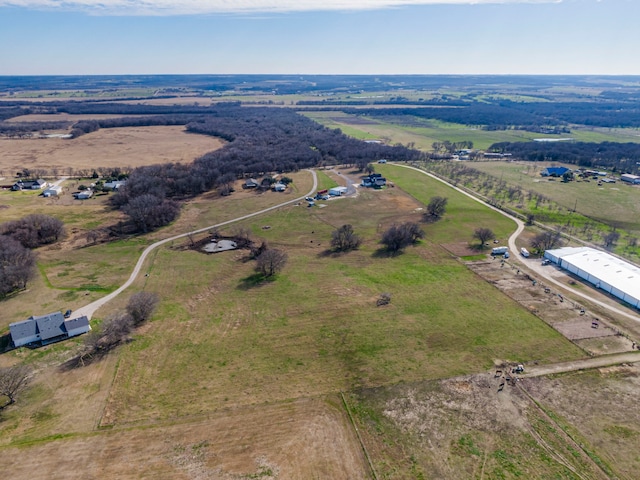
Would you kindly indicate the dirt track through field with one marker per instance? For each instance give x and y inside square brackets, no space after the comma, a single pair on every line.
[584,364]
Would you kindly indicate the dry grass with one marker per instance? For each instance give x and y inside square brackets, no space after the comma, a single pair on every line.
[109,148]
[307,438]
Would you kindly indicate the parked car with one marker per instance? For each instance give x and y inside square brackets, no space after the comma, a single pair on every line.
[67,314]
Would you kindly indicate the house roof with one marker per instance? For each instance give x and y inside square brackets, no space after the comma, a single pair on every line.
[25,329]
[51,325]
[73,323]
[555,170]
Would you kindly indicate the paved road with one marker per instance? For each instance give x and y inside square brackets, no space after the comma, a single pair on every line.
[534,264]
[90,309]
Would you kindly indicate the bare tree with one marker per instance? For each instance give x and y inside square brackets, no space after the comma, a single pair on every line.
[397,237]
[115,329]
[242,237]
[34,230]
[483,234]
[344,239]
[149,211]
[610,239]
[141,306]
[271,261]
[13,380]
[436,208]
[546,241]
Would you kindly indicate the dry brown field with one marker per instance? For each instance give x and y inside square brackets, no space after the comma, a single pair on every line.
[107,148]
[64,117]
[306,438]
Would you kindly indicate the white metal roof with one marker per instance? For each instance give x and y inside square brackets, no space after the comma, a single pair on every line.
[609,269]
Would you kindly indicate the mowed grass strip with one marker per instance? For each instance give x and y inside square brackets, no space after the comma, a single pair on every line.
[219,340]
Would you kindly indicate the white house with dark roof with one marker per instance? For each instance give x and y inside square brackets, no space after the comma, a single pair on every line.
[45,329]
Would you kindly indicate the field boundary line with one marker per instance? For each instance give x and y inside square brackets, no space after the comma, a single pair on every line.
[568,437]
[355,427]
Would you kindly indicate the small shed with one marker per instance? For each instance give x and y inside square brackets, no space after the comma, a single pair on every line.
[279,187]
[84,195]
[250,183]
[52,191]
[115,185]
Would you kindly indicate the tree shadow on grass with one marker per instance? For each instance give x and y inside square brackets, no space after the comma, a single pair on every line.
[386,253]
[330,253]
[254,281]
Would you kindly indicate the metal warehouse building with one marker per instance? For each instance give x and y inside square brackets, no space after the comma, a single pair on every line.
[617,277]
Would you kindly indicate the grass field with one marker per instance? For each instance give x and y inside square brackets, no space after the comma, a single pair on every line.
[424,132]
[616,204]
[238,377]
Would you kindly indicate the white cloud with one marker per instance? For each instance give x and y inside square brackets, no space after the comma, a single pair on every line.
[191,7]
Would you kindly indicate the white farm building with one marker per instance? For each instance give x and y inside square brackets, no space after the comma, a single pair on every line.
[611,274]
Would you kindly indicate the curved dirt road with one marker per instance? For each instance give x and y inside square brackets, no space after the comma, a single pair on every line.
[90,309]
[532,264]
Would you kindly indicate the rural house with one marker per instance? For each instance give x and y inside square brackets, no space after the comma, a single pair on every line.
[115,185]
[45,329]
[375,180]
[29,185]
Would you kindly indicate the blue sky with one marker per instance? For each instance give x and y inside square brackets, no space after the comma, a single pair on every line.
[41,37]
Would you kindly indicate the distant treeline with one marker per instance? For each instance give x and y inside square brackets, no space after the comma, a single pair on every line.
[505,115]
[621,157]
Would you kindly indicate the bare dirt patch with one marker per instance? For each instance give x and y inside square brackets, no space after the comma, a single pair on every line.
[479,426]
[109,148]
[594,332]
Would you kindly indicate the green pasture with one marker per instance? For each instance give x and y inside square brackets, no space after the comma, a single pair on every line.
[463,214]
[600,134]
[223,338]
[424,132]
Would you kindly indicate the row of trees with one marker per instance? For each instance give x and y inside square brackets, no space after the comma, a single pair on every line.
[616,156]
